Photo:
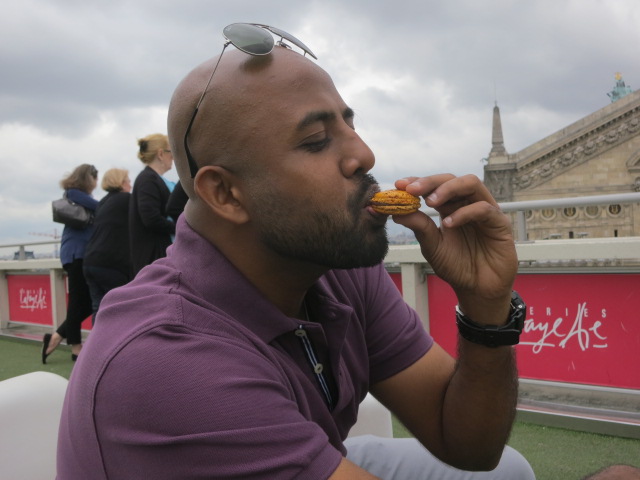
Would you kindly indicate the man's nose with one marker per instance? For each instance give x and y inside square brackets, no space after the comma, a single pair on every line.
[357,156]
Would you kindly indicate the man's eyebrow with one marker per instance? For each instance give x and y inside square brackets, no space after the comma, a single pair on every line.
[348,113]
[323,116]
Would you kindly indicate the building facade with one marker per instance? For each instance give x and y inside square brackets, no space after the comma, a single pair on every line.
[597,155]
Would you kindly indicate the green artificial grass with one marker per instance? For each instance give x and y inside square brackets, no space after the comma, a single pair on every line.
[553,453]
[18,357]
[556,453]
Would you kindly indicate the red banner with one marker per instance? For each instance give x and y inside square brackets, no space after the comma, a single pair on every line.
[580,328]
[30,300]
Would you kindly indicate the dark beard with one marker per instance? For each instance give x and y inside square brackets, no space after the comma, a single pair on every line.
[333,239]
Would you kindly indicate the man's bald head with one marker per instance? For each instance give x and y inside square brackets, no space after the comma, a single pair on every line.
[233,110]
[282,172]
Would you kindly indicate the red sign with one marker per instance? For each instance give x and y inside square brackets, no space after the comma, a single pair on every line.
[30,299]
[580,328]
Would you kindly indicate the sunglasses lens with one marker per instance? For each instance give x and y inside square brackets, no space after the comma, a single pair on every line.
[291,38]
[248,38]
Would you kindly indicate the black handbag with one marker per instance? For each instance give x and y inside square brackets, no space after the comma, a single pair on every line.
[71,214]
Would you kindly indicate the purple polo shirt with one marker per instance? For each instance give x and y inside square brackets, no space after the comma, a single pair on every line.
[191,373]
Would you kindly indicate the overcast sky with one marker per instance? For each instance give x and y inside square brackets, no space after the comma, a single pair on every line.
[82,80]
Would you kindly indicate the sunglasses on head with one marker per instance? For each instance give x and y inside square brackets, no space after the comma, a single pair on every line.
[251,38]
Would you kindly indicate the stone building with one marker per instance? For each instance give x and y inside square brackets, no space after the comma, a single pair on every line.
[597,155]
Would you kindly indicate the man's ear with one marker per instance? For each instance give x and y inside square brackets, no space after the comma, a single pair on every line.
[218,188]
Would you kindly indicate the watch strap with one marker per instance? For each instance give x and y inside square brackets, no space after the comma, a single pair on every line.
[494,335]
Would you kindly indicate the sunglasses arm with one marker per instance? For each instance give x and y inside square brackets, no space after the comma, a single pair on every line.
[193,166]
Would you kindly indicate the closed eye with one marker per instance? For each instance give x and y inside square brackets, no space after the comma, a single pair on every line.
[317,146]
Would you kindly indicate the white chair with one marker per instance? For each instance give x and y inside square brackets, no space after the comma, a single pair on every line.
[373,419]
[30,408]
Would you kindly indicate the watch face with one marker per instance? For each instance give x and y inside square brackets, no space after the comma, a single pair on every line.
[518,311]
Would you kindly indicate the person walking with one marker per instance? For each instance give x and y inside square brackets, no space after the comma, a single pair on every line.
[78,187]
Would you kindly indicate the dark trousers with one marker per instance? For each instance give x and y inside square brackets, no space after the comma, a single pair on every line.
[79,306]
[100,281]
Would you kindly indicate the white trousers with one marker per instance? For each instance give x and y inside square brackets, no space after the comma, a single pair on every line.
[407,459]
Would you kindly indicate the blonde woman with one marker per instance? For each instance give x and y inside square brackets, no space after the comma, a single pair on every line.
[107,263]
[78,187]
[150,230]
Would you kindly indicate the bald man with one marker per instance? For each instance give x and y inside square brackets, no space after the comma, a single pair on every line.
[246,351]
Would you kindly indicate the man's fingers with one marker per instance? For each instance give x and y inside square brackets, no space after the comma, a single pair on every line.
[424,228]
[446,190]
[458,200]
[478,212]
[423,186]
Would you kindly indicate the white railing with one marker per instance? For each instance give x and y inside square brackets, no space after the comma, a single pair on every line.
[407,258]
[520,208]
[22,251]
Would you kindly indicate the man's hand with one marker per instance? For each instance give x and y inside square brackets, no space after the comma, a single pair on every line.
[473,249]
[461,410]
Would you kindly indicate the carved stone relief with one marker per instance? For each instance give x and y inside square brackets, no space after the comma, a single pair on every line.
[499,183]
[578,152]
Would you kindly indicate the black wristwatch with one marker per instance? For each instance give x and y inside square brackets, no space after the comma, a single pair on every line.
[495,335]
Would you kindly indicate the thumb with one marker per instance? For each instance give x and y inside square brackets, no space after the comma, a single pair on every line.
[425,229]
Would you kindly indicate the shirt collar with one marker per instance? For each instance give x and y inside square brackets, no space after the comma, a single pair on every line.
[229,291]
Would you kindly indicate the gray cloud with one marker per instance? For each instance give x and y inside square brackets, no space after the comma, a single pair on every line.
[82,80]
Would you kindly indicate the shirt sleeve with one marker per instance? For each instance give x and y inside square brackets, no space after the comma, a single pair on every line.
[395,335]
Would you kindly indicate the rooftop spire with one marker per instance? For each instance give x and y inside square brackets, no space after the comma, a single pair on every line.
[497,141]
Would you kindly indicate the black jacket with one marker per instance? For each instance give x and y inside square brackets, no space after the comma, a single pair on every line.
[149,228]
[109,243]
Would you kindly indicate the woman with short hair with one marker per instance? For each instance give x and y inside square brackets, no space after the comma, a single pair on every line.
[107,263]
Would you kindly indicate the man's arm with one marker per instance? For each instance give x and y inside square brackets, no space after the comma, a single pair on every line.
[462,411]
